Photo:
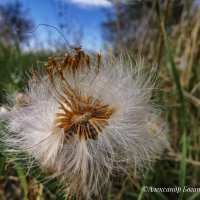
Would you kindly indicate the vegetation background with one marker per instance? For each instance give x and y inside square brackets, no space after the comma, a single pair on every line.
[166,33]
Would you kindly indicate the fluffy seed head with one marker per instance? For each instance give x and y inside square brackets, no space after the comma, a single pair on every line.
[87,119]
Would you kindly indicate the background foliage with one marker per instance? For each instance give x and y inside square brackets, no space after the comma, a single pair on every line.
[166,33]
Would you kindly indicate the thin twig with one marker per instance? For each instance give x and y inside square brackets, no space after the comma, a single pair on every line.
[173,156]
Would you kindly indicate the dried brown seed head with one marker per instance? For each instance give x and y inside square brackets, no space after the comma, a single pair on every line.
[76,59]
[83,116]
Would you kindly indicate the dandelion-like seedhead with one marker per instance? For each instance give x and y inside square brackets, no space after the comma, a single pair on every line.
[87,119]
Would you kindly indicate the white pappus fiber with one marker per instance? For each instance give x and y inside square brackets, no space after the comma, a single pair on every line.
[87,124]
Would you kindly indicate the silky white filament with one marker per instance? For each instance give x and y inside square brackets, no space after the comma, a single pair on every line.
[121,131]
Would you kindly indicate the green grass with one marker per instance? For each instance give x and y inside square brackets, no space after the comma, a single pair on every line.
[22,178]
[182,110]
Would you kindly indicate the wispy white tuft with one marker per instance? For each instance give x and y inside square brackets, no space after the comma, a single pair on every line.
[3,112]
[133,137]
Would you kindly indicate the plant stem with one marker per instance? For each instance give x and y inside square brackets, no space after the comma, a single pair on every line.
[181,100]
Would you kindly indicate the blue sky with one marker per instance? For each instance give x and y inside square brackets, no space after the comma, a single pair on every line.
[84,15]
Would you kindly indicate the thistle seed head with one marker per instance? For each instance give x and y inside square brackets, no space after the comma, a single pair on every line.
[88,118]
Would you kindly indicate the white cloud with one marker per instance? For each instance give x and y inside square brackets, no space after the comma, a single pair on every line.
[95,3]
